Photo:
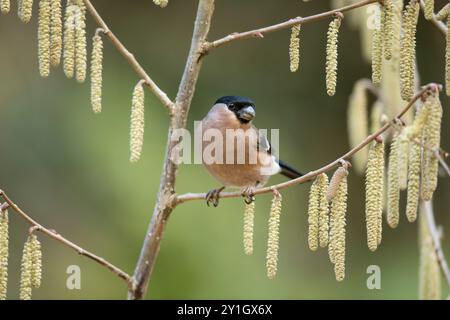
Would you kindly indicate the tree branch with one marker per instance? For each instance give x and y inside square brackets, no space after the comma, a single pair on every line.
[428,206]
[307,177]
[163,206]
[55,236]
[161,95]
[259,33]
[438,24]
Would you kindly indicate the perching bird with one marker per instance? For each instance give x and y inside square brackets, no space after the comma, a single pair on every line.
[221,157]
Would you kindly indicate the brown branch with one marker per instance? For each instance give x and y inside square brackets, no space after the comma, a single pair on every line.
[428,206]
[163,206]
[55,236]
[307,177]
[161,95]
[438,24]
[259,33]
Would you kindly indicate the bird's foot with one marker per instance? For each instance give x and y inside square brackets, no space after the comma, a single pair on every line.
[249,194]
[212,197]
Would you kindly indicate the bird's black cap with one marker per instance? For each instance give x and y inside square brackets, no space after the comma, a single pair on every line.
[229,100]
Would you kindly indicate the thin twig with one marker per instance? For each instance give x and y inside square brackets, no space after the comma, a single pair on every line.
[161,95]
[307,177]
[259,33]
[438,24]
[54,235]
[436,240]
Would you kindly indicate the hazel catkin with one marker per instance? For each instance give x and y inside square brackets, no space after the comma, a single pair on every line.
[69,40]
[137,123]
[294,48]
[377,47]
[340,174]
[408,50]
[44,38]
[429,9]
[26,271]
[393,185]
[249,217]
[318,213]
[96,73]
[5,6]
[4,253]
[332,55]
[25,10]
[324,211]
[80,43]
[161,3]
[374,193]
[55,32]
[273,236]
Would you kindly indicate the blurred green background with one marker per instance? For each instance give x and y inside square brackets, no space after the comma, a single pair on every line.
[69,168]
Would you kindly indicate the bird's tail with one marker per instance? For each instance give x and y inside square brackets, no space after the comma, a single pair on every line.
[288,171]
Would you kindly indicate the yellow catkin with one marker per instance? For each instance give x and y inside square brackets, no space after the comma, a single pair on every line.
[393,185]
[4,253]
[25,10]
[55,32]
[421,118]
[377,47]
[357,122]
[403,155]
[432,139]
[415,155]
[324,213]
[388,28]
[408,50]
[26,271]
[447,60]
[374,193]
[44,38]
[429,9]
[443,13]
[161,3]
[429,271]
[273,236]
[137,123]
[336,248]
[36,262]
[335,182]
[69,40]
[294,48]
[249,218]
[313,214]
[80,43]
[5,6]
[332,56]
[96,73]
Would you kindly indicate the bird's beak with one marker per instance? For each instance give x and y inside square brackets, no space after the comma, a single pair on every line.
[247,113]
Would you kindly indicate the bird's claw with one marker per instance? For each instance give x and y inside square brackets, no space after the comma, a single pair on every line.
[248,195]
[213,197]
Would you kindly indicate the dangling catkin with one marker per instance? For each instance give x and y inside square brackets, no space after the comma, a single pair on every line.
[137,123]
[357,123]
[374,193]
[388,28]
[340,174]
[273,237]
[26,271]
[336,248]
[408,50]
[5,6]
[443,13]
[96,73]
[421,118]
[332,55]
[4,253]
[80,43]
[393,185]
[324,213]
[161,3]
[377,47]
[55,32]
[44,38]
[69,39]
[429,9]
[294,48]
[318,213]
[415,156]
[36,262]
[403,154]
[249,218]
[429,271]
[25,10]
[432,139]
